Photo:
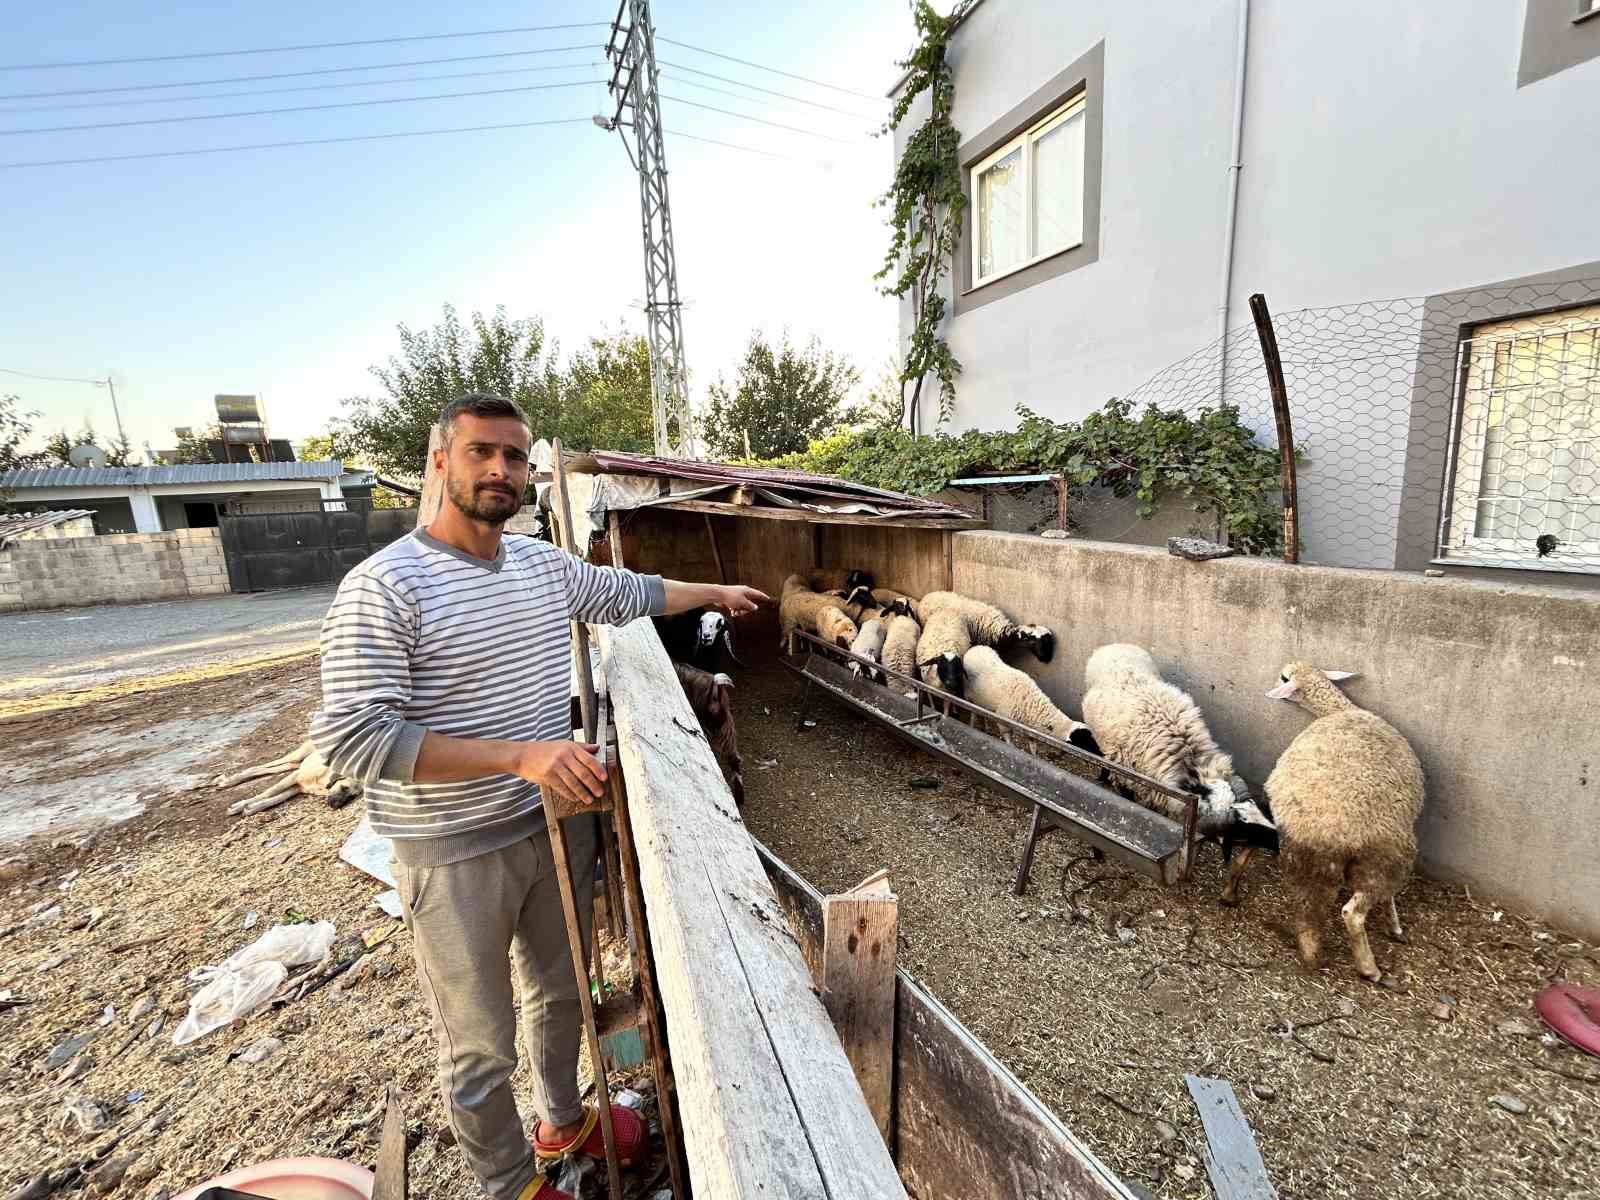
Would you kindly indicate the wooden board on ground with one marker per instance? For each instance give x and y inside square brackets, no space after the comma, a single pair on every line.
[965,1127]
[1232,1160]
[390,1181]
[771,1106]
[860,928]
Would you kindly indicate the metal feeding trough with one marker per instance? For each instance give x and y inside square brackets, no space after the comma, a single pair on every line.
[1147,842]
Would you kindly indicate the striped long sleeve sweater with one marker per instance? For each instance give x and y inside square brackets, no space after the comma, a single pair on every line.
[424,636]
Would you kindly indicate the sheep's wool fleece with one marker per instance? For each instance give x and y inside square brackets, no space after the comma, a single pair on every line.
[1348,783]
[424,636]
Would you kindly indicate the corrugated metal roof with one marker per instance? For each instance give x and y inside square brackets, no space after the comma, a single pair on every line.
[614,462]
[190,473]
[12,525]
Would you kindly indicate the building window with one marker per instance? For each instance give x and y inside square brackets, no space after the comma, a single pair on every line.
[1028,196]
[1526,487]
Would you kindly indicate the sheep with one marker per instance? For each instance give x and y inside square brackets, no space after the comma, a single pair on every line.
[711,697]
[838,579]
[890,602]
[1145,723]
[304,773]
[987,625]
[946,636]
[698,637]
[900,645]
[801,608]
[1012,693]
[1347,794]
[868,643]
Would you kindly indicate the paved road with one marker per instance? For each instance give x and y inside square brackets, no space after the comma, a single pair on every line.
[80,647]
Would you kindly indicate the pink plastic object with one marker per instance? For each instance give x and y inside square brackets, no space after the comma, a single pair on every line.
[1573,1012]
[295,1179]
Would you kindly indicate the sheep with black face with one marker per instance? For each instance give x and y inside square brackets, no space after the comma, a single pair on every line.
[986,625]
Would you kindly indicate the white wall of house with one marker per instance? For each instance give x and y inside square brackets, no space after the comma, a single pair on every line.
[1388,152]
[160,506]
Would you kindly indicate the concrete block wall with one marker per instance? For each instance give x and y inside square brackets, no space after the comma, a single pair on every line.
[1494,684]
[118,568]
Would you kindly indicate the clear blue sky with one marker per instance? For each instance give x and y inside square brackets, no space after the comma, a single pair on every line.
[284,272]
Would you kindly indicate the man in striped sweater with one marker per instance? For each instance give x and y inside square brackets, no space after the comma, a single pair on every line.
[446,663]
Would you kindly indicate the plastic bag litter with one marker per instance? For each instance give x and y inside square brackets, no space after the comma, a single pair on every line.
[250,977]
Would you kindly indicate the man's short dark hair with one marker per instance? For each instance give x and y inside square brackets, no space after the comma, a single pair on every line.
[479,404]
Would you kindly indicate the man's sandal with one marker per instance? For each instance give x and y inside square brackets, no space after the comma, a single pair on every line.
[542,1189]
[626,1125]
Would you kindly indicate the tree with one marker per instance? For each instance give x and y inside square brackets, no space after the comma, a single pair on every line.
[883,407]
[195,447]
[437,365]
[59,445]
[320,447]
[16,423]
[605,395]
[781,400]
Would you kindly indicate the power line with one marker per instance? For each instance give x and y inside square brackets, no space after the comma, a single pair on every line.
[52,378]
[728,112]
[303,87]
[410,62]
[262,112]
[756,87]
[389,41]
[364,137]
[758,66]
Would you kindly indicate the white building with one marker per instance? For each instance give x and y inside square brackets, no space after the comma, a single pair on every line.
[1436,152]
[150,499]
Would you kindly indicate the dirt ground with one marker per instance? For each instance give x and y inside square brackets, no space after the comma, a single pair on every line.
[1101,990]
[173,888]
[1098,989]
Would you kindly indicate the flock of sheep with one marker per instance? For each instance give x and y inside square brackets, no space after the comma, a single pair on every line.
[1341,803]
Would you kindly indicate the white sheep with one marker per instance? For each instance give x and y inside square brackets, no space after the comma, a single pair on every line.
[1346,794]
[946,637]
[987,625]
[801,608]
[868,643]
[1145,723]
[1014,694]
[900,645]
[304,772]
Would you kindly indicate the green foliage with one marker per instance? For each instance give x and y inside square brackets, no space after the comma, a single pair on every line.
[59,445]
[601,400]
[1210,459]
[320,447]
[16,424]
[194,447]
[926,202]
[782,399]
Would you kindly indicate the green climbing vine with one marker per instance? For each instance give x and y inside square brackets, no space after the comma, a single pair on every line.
[926,202]
[1208,459]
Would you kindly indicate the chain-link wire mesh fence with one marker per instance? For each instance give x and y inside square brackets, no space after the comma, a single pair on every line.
[1462,428]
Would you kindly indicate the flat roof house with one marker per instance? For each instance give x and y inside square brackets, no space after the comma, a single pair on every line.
[1135,174]
[151,499]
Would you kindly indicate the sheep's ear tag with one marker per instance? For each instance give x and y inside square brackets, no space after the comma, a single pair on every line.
[1336,676]
[1250,813]
[1283,691]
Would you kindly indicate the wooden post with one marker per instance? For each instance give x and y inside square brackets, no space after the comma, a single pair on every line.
[432,484]
[1280,413]
[860,928]
[389,1180]
[1061,502]
[716,550]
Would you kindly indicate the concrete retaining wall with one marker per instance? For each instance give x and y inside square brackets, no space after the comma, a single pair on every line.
[116,568]
[1496,686]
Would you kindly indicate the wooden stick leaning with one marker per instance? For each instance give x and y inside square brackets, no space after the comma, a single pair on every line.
[558,842]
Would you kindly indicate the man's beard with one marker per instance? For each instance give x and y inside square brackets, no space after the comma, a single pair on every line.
[482,503]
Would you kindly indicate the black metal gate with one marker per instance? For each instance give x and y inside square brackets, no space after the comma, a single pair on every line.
[296,544]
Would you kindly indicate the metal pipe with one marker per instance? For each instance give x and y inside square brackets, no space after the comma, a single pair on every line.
[1235,165]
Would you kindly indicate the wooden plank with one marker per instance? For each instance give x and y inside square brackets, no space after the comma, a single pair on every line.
[1232,1159]
[716,551]
[860,928]
[389,1177]
[770,1105]
[965,1127]
[718,509]
[432,484]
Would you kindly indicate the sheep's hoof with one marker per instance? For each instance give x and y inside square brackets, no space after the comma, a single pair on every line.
[1371,976]
[1228,900]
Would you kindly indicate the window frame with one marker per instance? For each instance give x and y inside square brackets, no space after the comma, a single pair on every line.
[1477,364]
[1076,105]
